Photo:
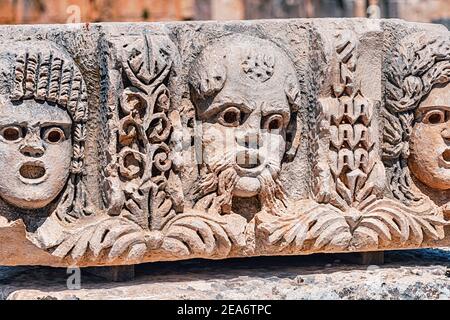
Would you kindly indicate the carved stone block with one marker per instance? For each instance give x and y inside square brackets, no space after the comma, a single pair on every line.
[137,142]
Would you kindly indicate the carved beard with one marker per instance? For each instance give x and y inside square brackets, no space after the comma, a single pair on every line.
[214,191]
[272,195]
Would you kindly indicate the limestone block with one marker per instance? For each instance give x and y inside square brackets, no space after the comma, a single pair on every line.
[123,143]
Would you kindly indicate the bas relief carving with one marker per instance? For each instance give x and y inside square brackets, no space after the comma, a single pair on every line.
[43,129]
[43,116]
[246,96]
[415,148]
[379,162]
[417,124]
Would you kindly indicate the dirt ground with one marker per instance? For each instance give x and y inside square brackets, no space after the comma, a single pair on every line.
[412,274]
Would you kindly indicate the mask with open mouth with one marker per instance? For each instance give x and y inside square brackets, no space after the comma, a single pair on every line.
[430,140]
[246,96]
[416,137]
[43,112]
[35,152]
[32,172]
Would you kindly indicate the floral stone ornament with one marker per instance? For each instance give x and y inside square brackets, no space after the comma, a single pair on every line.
[129,143]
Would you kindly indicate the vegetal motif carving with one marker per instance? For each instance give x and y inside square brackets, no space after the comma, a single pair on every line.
[142,166]
[379,225]
[138,204]
[356,174]
[204,235]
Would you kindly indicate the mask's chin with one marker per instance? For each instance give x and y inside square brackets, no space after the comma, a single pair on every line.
[28,200]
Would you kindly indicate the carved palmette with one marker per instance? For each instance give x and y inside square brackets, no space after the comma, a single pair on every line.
[357,174]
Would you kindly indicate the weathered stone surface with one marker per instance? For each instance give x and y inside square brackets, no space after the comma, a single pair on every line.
[406,275]
[130,143]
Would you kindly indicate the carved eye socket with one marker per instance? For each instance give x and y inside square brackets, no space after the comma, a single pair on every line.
[230,117]
[11,133]
[434,117]
[273,122]
[54,135]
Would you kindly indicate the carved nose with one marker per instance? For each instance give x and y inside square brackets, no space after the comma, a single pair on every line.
[446,134]
[249,140]
[32,149]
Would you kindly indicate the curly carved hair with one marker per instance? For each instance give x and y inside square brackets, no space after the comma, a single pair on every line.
[420,62]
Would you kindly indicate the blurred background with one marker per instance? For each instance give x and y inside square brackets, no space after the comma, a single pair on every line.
[71,11]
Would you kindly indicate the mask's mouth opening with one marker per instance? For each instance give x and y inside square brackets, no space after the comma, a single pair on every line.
[32,172]
[446,155]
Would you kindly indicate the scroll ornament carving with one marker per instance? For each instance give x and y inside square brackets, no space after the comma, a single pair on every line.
[248,112]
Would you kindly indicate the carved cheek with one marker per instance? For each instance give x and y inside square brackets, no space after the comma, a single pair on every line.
[9,151]
[57,160]
[274,147]
[426,142]
[217,141]
[9,159]
[11,188]
[427,146]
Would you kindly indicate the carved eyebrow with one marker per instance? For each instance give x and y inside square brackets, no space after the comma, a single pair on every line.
[268,109]
[220,105]
[55,123]
[31,122]
[283,112]
[11,122]
[433,107]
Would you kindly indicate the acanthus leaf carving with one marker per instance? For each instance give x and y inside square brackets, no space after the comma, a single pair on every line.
[204,235]
[352,213]
[320,226]
[378,225]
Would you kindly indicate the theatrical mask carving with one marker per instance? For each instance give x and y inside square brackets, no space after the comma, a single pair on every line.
[43,110]
[430,139]
[36,152]
[417,131]
[246,97]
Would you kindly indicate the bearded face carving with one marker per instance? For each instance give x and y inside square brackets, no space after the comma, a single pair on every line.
[246,96]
